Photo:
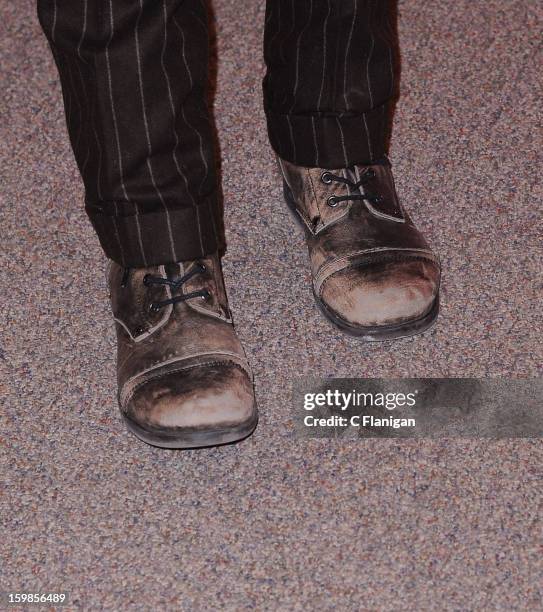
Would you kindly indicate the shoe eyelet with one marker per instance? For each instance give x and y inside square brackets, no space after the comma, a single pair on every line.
[371,173]
[153,307]
[205,295]
[146,280]
[203,267]
[377,199]
[332,202]
[326,178]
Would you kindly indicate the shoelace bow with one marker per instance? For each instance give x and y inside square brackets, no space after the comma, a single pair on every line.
[328,177]
[175,285]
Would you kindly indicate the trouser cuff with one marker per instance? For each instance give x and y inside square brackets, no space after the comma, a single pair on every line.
[329,141]
[156,237]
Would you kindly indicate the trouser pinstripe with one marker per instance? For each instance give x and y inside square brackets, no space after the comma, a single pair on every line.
[134,81]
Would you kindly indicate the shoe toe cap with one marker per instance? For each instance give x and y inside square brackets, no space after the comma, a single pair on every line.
[382,294]
[216,396]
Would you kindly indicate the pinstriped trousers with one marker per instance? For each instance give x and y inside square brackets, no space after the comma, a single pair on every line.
[134,80]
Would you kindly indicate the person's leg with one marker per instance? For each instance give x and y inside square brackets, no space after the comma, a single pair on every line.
[134,78]
[329,86]
[330,80]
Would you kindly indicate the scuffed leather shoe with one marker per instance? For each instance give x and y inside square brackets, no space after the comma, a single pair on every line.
[183,378]
[374,274]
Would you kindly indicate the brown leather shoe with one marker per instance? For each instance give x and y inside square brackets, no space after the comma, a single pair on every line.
[183,378]
[374,274]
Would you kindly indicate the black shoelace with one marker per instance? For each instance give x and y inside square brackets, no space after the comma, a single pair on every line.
[175,285]
[327,178]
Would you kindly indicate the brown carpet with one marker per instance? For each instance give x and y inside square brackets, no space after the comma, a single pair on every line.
[276,523]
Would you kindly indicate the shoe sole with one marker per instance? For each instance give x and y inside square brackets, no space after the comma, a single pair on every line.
[380,333]
[377,333]
[192,439]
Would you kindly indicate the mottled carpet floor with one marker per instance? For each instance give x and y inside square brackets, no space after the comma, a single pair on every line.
[278,523]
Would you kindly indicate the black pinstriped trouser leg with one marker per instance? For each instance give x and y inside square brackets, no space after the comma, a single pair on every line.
[330,79]
[134,78]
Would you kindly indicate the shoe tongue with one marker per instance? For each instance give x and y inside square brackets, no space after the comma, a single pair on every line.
[173,269]
[352,174]
[181,267]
